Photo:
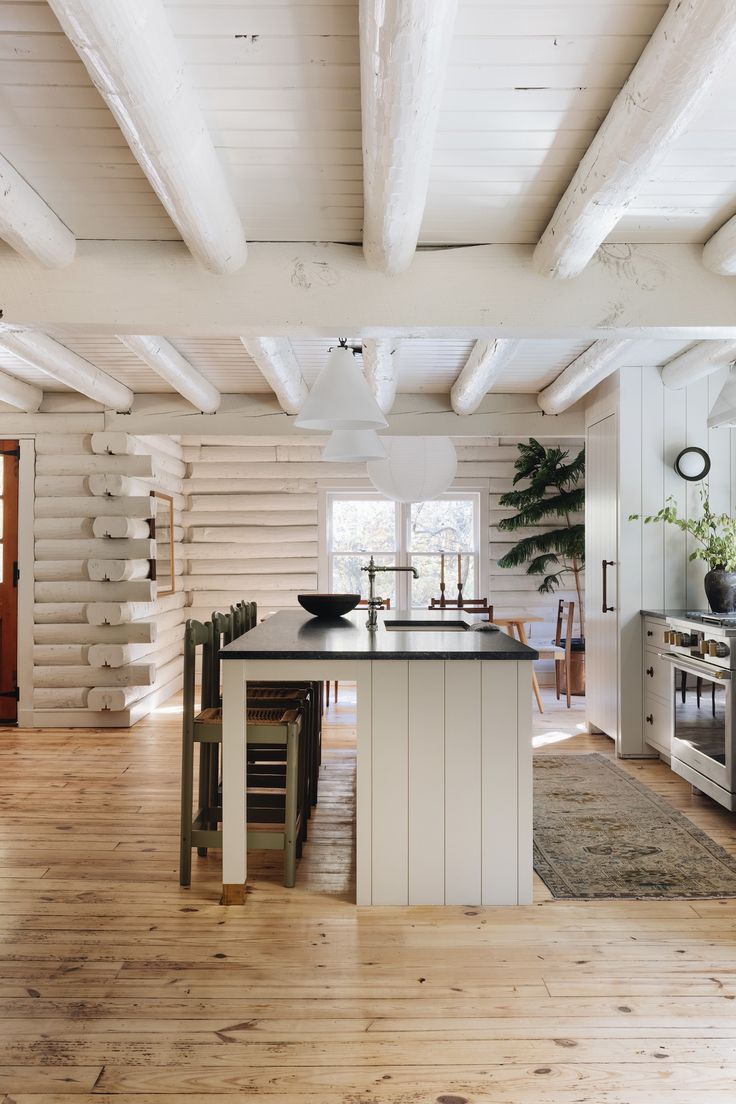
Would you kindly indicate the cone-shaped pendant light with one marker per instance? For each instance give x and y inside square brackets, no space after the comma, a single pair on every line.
[341,397]
[354,446]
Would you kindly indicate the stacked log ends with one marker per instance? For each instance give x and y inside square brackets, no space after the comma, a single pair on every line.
[103,638]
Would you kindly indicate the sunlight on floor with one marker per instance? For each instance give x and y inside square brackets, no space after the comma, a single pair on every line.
[552,737]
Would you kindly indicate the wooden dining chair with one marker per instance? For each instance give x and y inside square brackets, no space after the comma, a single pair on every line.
[471,605]
[563,646]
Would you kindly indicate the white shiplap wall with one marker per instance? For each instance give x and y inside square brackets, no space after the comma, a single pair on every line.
[252,523]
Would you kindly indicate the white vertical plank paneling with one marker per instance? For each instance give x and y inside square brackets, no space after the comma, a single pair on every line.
[426,782]
[629,567]
[697,434]
[462,782]
[525,784]
[675,542]
[390,786]
[719,450]
[364,785]
[652,487]
[499,772]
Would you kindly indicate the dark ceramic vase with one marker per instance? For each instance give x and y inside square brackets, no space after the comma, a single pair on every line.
[720,590]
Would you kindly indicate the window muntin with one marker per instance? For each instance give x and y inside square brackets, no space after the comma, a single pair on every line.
[361,524]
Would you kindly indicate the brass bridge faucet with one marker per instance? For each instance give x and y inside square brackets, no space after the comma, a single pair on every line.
[374,603]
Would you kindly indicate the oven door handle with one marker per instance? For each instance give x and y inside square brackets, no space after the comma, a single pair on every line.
[694,668]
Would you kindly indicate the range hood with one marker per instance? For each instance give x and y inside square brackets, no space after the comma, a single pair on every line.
[724,408]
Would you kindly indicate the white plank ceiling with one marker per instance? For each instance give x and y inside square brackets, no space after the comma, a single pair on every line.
[425,365]
[529,83]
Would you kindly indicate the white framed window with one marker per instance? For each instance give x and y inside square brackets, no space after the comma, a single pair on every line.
[357,524]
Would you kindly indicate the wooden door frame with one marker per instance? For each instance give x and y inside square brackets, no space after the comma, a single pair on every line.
[26,512]
[9,511]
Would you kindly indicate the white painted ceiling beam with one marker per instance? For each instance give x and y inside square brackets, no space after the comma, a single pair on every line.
[381,370]
[41,351]
[320,290]
[691,45]
[275,359]
[16,392]
[487,359]
[585,373]
[29,225]
[131,54]
[719,252]
[696,363]
[168,363]
[404,47]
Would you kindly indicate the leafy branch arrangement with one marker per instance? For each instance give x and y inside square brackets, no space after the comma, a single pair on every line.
[714,533]
[553,491]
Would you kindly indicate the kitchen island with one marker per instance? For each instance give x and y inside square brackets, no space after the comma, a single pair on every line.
[444,755]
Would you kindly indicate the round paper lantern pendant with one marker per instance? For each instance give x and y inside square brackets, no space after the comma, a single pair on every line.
[416,469]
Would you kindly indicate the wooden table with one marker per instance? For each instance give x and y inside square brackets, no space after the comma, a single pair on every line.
[515,623]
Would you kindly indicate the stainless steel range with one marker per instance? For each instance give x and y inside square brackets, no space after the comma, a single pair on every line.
[702,650]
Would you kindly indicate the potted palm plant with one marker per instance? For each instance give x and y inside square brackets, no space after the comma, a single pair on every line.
[715,544]
[553,490]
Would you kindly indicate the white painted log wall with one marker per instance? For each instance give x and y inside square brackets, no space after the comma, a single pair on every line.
[252,523]
[91,566]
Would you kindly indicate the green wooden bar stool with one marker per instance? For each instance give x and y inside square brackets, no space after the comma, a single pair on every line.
[226,627]
[273,734]
[248,617]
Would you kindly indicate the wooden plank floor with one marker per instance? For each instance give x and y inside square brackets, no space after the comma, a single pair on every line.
[118,986]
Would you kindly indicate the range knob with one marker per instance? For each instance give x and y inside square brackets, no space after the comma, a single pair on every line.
[712,647]
[689,640]
[722,650]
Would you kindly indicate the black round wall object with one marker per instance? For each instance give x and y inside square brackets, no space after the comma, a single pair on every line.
[693,464]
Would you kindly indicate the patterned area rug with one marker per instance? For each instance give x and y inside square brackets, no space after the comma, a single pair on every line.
[598,832]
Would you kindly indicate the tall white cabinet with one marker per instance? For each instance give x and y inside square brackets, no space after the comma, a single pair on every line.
[601,581]
[635,429]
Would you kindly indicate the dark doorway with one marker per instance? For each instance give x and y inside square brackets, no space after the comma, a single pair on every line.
[9,453]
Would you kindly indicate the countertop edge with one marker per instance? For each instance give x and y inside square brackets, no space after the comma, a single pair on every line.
[507,657]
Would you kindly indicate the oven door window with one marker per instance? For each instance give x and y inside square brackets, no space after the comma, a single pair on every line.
[702,712]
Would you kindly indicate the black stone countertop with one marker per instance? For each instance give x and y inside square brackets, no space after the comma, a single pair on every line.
[294,634]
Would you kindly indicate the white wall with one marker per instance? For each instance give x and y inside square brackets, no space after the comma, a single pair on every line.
[246,526]
[654,569]
[253,528]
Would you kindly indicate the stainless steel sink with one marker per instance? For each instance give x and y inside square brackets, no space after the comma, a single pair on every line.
[427,626]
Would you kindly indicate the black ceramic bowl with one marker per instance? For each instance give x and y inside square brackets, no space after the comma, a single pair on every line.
[328,605]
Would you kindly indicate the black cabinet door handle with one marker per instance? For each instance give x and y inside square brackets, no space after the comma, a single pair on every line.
[650,719]
[650,672]
[605,564]
[650,632]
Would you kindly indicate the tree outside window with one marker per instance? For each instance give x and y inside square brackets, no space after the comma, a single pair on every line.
[361,525]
